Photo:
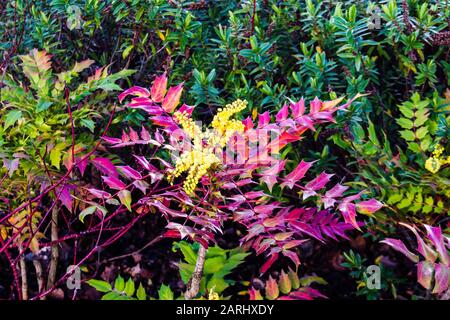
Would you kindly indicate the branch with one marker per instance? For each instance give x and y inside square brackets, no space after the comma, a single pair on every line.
[194,284]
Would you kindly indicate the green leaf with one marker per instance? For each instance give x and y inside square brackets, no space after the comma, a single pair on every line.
[86,212]
[189,255]
[127,51]
[99,285]
[125,198]
[407,112]
[372,134]
[141,294]
[55,157]
[11,118]
[405,123]
[165,293]
[421,132]
[213,265]
[43,105]
[88,123]
[408,135]
[129,287]
[119,284]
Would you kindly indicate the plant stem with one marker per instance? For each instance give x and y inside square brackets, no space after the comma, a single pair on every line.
[194,284]
[23,274]
[39,276]
[55,251]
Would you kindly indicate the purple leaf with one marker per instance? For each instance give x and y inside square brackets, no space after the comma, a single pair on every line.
[114,183]
[144,163]
[186,109]
[112,140]
[99,193]
[129,172]
[349,213]
[425,273]
[293,256]
[400,246]
[435,235]
[263,119]
[369,206]
[106,166]
[441,277]
[428,253]
[330,196]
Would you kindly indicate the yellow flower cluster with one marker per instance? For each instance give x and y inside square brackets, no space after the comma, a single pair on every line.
[198,161]
[223,127]
[188,125]
[434,163]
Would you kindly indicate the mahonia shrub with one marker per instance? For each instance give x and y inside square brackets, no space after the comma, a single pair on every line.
[198,179]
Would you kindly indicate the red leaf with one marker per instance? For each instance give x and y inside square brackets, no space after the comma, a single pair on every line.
[282,114]
[133,135]
[248,123]
[159,88]
[270,176]
[272,291]
[163,121]
[315,105]
[134,91]
[269,263]
[348,212]
[316,184]
[293,256]
[254,294]
[296,174]
[186,109]
[172,98]
[297,108]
